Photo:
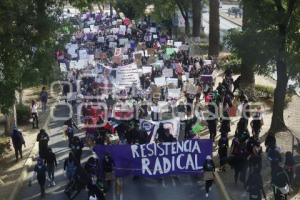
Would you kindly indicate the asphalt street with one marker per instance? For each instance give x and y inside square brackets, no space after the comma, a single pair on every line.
[173,188]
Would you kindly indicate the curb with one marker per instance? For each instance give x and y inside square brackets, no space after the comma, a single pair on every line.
[226,18]
[28,163]
[221,186]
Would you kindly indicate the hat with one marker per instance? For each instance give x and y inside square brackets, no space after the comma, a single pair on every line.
[208,157]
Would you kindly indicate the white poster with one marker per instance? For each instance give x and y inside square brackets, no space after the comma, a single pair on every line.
[160,81]
[63,67]
[170,42]
[147,70]
[174,93]
[100,39]
[83,54]
[177,44]
[173,81]
[127,75]
[112,45]
[167,72]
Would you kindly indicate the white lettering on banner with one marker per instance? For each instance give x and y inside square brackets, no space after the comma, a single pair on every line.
[167,157]
[145,166]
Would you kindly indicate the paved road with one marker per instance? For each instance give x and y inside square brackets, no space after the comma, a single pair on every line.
[181,188]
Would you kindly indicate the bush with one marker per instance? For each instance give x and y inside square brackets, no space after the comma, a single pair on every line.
[231,62]
[23,114]
[264,91]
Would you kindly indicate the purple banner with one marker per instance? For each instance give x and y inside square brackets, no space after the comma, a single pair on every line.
[157,159]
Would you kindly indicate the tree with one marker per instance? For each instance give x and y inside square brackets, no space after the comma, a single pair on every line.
[196,9]
[271,41]
[184,7]
[214,28]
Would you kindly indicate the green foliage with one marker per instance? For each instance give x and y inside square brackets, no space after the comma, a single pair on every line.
[23,114]
[258,43]
[264,91]
[4,144]
[29,31]
[131,8]
[232,62]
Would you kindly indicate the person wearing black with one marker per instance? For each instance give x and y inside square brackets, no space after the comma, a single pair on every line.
[76,148]
[80,181]
[225,124]
[51,164]
[280,183]
[208,168]
[254,186]
[94,188]
[289,166]
[108,170]
[17,141]
[43,139]
[40,170]
[166,137]
[222,151]
[212,126]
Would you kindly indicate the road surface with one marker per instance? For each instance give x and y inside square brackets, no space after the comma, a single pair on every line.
[173,188]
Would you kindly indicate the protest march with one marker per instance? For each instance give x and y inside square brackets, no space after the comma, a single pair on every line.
[145,106]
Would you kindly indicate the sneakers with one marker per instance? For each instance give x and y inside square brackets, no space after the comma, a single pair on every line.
[206,195]
[53,183]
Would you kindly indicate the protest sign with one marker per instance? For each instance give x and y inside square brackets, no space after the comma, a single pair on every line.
[170,42]
[123,41]
[127,75]
[174,93]
[151,60]
[151,51]
[125,57]
[115,30]
[122,30]
[184,48]
[83,54]
[63,67]
[100,39]
[197,128]
[167,72]
[154,36]
[103,55]
[160,81]
[172,81]
[118,52]
[112,45]
[157,159]
[117,59]
[86,30]
[177,44]
[191,89]
[147,70]
[207,62]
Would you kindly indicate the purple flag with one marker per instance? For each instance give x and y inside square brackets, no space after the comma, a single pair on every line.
[158,159]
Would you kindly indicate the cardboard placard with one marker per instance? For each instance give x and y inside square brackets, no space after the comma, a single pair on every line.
[151,51]
[117,59]
[151,60]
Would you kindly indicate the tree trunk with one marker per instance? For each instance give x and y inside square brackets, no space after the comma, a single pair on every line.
[278,123]
[214,28]
[187,26]
[247,69]
[196,8]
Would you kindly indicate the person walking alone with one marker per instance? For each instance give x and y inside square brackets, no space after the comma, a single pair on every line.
[18,141]
[34,114]
[43,139]
[51,165]
[209,168]
[44,99]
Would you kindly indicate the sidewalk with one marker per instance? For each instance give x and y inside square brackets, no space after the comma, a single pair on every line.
[284,140]
[10,170]
[235,20]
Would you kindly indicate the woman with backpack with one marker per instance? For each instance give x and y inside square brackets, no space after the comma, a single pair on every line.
[209,168]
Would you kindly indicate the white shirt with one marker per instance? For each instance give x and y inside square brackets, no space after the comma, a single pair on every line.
[34,108]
